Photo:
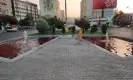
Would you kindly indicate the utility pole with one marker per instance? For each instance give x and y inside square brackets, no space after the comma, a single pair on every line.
[102,15]
[66,10]
[13,8]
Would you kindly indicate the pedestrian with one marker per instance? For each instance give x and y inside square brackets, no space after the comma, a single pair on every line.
[73,30]
[80,35]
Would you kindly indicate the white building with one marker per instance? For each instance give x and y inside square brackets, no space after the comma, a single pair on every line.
[62,15]
[49,8]
[88,11]
[6,7]
[22,8]
[58,12]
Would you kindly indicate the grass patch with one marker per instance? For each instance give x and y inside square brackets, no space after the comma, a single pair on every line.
[68,33]
[50,33]
[96,33]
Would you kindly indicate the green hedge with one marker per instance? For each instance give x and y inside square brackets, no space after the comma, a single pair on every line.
[94,29]
[104,28]
[42,26]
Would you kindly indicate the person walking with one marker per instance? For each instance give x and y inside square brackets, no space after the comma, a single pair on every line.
[80,35]
[73,30]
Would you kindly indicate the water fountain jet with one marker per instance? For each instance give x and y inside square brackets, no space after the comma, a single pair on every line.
[25,37]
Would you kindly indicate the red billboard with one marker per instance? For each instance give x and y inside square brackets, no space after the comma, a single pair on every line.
[102,4]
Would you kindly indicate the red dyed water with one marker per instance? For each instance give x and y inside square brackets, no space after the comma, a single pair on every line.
[13,49]
[118,46]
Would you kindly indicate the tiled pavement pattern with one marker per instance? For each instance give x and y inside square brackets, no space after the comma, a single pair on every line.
[64,59]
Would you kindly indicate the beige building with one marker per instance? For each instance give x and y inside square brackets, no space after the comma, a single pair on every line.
[62,15]
[22,8]
[49,8]
[6,7]
[58,9]
[83,8]
[88,11]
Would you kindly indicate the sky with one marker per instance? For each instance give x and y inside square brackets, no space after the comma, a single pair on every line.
[73,6]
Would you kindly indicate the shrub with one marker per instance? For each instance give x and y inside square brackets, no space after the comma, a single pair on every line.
[42,26]
[5,19]
[63,30]
[59,24]
[82,23]
[55,22]
[53,30]
[104,28]
[94,29]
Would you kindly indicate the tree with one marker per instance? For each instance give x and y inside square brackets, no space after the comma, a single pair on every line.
[29,17]
[55,23]
[42,26]
[27,21]
[13,20]
[59,24]
[82,23]
[53,30]
[51,21]
[121,19]
[24,22]
[8,19]
[63,30]
[94,29]
[104,28]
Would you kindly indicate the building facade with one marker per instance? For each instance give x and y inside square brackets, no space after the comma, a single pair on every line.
[88,11]
[58,10]
[83,8]
[22,8]
[62,15]
[49,8]
[6,7]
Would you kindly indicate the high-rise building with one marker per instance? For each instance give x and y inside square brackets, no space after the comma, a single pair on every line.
[83,9]
[49,8]
[6,7]
[58,9]
[62,15]
[88,11]
[86,8]
[22,8]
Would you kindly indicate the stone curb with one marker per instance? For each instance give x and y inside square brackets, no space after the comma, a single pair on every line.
[26,53]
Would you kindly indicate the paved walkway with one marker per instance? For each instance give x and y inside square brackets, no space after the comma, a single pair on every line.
[64,59]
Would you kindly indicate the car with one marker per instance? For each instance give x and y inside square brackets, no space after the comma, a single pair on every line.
[10,29]
[95,21]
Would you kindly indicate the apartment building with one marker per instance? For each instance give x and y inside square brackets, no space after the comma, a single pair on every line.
[6,7]
[49,8]
[22,8]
